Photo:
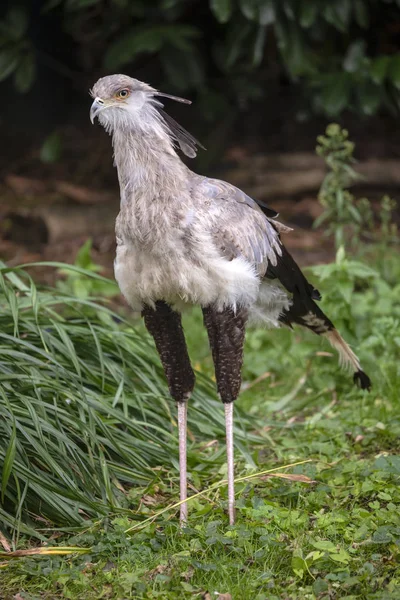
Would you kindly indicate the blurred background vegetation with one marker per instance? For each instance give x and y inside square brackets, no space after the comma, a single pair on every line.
[326,56]
[265,77]
[335,55]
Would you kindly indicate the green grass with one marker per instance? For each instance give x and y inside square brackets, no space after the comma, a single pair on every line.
[335,536]
[84,408]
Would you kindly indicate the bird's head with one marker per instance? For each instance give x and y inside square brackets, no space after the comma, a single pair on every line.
[126,104]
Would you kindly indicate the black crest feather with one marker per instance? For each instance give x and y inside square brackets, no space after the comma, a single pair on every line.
[186,141]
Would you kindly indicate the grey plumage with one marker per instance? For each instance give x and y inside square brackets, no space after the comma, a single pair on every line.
[185,239]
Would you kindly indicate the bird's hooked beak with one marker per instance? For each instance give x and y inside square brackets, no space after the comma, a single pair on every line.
[97,106]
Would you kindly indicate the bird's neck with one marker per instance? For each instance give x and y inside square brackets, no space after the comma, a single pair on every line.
[147,165]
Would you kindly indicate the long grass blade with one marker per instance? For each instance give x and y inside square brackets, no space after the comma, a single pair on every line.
[216,486]
[90,408]
[8,462]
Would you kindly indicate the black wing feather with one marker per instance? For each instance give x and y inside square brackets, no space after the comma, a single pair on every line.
[303,294]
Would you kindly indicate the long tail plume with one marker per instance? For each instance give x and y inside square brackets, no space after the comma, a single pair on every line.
[348,358]
[304,311]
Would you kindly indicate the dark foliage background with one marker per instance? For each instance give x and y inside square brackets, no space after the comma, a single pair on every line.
[333,55]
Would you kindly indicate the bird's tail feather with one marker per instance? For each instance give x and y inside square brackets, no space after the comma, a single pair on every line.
[314,319]
[348,359]
[304,311]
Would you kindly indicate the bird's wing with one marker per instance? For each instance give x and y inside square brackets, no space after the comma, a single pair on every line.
[238,225]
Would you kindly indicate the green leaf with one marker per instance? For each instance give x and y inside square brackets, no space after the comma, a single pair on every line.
[238,39]
[384,496]
[354,56]
[222,10]
[325,545]
[16,22]
[338,14]
[355,213]
[181,36]
[340,255]
[261,11]
[308,13]
[267,13]
[345,287]
[382,536]
[388,464]
[341,557]
[259,43]
[184,70]
[9,59]
[289,9]
[336,93]
[50,4]
[25,74]
[379,68]
[313,556]
[299,566]
[52,147]
[361,270]
[187,587]
[369,96]
[77,5]
[249,9]
[343,12]
[361,13]
[282,35]
[83,258]
[294,50]
[8,462]
[132,43]
[140,40]
[394,71]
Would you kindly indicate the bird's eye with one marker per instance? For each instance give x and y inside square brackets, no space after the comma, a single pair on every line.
[123,94]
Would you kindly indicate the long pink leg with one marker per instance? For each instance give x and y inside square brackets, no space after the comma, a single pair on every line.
[182,415]
[165,325]
[226,330]
[231,464]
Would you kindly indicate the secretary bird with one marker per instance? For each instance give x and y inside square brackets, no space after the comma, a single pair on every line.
[184,239]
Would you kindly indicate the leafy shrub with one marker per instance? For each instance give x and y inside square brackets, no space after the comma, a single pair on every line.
[345,53]
[349,219]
